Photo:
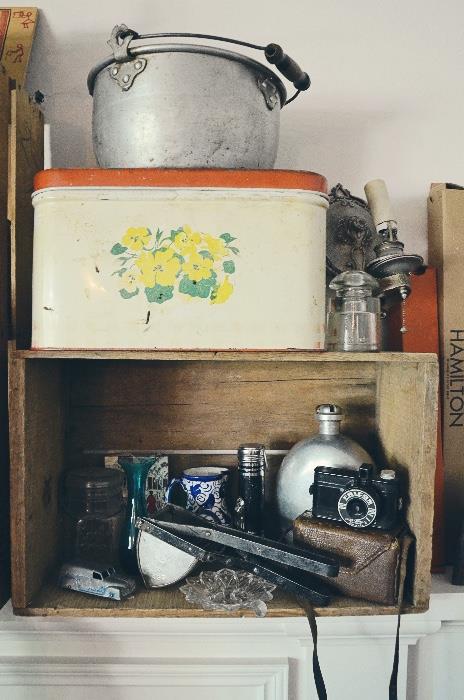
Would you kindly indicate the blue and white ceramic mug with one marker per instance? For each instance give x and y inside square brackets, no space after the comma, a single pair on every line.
[205,491]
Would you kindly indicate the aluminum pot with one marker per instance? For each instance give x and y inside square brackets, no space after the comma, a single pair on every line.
[186,105]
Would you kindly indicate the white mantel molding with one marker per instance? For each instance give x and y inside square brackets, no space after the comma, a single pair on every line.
[227,658]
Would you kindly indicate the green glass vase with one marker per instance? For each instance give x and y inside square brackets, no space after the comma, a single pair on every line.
[136,470]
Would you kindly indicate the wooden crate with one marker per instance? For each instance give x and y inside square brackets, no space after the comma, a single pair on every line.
[21,155]
[64,404]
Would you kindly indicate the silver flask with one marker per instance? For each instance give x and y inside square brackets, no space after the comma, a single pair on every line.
[329,448]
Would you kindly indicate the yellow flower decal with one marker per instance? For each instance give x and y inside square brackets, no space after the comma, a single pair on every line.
[136,238]
[223,292]
[198,267]
[129,279]
[190,263]
[186,241]
[160,267]
[215,246]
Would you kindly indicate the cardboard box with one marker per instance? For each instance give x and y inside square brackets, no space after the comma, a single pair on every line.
[422,335]
[17,29]
[446,253]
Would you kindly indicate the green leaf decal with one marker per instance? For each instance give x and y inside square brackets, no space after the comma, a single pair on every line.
[159,233]
[174,232]
[228,266]
[128,295]
[205,254]
[159,294]
[234,250]
[227,237]
[119,272]
[179,257]
[118,249]
[197,289]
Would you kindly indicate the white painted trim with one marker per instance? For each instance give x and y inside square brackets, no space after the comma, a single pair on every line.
[269,676]
[272,655]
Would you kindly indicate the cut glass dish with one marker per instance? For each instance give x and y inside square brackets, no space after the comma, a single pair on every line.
[228,590]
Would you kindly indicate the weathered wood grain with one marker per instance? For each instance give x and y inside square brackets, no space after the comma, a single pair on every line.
[170,602]
[4,334]
[230,355]
[25,158]
[37,424]
[407,411]
[196,404]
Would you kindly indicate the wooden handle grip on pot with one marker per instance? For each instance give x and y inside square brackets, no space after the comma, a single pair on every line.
[287,66]
[379,202]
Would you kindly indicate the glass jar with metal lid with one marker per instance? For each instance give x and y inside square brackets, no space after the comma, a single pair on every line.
[93,508]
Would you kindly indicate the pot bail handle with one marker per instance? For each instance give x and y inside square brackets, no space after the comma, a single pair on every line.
[287,66]
[121,37]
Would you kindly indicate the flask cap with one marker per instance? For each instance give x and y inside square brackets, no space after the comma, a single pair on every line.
[329,416]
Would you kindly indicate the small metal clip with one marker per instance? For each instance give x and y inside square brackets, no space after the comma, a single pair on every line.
[269,91]
[125,73]
[121,37]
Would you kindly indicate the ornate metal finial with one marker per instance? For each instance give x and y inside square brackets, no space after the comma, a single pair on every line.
[351,233]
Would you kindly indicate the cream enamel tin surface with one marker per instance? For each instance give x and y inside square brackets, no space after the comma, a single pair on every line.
[178,268]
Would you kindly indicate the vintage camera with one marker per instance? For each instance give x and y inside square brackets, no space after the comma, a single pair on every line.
[366,497]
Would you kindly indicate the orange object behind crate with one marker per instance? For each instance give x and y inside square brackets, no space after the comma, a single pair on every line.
[421,320]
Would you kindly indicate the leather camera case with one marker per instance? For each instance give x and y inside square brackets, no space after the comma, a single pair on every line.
[370,560]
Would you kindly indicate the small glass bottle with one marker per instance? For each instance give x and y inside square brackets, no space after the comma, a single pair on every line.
[353,320]
[93,514]
[249,507]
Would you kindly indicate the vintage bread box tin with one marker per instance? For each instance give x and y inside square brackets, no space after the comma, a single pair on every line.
[179,259]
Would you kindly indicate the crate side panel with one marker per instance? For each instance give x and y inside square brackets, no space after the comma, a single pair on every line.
[37,434]
[407,428]
[212,405]
[4,334]
[17,439]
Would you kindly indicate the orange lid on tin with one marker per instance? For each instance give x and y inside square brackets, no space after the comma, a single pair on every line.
[180,177]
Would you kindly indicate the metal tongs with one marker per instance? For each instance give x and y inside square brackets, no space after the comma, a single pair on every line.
[296,570]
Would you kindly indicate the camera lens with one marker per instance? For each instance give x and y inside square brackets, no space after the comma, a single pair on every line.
[357,508]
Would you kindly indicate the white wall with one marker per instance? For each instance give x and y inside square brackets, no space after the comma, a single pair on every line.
[386,100]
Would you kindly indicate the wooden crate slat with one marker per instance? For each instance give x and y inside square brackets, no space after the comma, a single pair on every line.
[4,334]
[229,355]
[18,466]
[170,602]
[37,420]
[407,410]
[26,158]
[195,405]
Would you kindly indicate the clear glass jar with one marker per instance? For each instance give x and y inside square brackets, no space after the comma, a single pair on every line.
[353,319]
[93,508]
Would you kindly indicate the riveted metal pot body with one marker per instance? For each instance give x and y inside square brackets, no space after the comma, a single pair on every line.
[188,106]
